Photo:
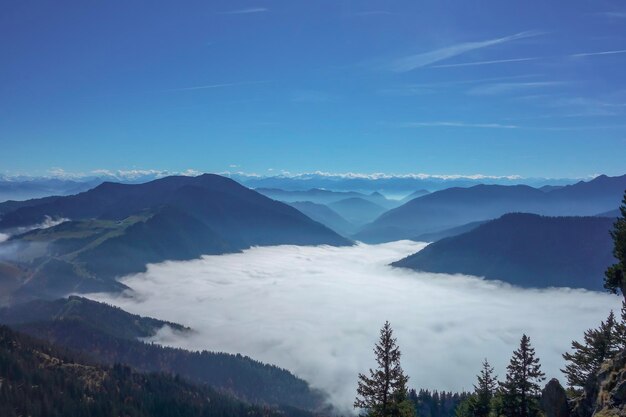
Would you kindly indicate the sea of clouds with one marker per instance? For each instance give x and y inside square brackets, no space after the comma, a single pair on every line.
[317,311]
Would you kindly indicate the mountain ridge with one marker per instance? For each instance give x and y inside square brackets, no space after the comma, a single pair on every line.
[173,218]
[457,206]
[525,249]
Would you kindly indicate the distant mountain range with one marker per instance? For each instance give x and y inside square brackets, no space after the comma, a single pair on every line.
[27,188]
[357,211]
[458,206]
[325,215]
[346,210]
[173,218]
[320,196]
[396,186]
[527,250]
[453,231]
[414,194]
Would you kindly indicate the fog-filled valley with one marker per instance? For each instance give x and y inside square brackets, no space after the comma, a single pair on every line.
[269,297]
[316,311]
[312,208]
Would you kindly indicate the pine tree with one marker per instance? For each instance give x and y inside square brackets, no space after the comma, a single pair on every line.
[484,389]
[615,275]
[586,358]
[521,389]
[384,392]
[620,329]
[479,403]
[467,407]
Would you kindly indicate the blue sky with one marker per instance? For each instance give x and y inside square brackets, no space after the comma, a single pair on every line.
[443,87]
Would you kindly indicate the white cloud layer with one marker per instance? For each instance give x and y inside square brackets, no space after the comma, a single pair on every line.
[317,310]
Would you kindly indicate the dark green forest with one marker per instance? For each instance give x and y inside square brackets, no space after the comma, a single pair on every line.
[37,379]
[109,335]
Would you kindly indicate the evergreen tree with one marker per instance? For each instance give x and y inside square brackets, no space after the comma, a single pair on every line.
[484,389]
[479,403]
[585,359]
[521,389]
[467,408]
[615,278]
[620,329]
[384,392]
[402,406]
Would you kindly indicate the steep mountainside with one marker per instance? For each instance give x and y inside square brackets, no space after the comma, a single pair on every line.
[321,196]
[115,229]
[39,380]
[357,211]
[605,394]
[526,250]
[414,194]
[457,206]
[108,319]
[323,214]
[109,335]
[454,231]
[12,205]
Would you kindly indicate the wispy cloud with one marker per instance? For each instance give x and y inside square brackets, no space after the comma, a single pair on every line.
[618,51]
[459,124]
[502,88]
[614,14]
[471,64]
[432,87]
[212,86]
[248,10]
[373,13]
[586,106]
[411,62]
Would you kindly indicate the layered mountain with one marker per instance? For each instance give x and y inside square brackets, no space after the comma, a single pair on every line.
[399,185]
[325,215]
[357,210]
[457,206]
[527,250]
[27,188]
[108,335]
[323,196]
[453,231]
[116,229]
[38,379]
[414,194]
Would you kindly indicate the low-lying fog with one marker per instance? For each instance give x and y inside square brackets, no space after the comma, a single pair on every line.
[317,311]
